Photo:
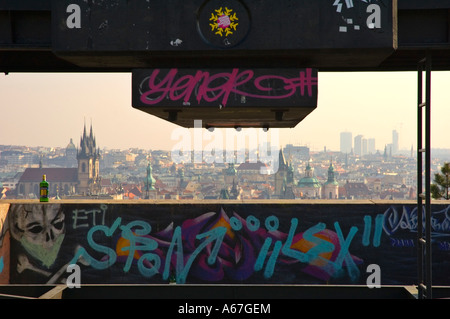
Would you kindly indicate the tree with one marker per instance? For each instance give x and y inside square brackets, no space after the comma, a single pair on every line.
[442,186]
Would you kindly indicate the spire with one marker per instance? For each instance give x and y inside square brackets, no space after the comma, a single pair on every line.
[88,143]
[281,160]
[84,130]
[308,170]
[224,194]
[150,181]
[290,174]
[331,175]
[231,170]
[234,193]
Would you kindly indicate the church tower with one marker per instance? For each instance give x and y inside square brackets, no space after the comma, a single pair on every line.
[150,190]
[230,189]
[284,179]
[280,176]
[230,174]
[331,186]
[88,157]
[309,186]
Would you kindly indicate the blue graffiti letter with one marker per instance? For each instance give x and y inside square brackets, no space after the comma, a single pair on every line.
[287,250]
[110,253]
[136,236]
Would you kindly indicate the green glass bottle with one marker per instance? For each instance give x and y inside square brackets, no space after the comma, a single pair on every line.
[44,189]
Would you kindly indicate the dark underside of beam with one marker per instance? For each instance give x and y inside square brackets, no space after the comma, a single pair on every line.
[28,45]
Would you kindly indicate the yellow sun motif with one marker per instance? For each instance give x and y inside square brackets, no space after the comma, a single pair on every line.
[223,21]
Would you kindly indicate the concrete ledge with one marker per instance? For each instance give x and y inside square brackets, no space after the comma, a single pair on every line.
[221,202]
[236,292]
[210,292]
[215,292]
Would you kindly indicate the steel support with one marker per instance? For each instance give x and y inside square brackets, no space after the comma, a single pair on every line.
[424,256]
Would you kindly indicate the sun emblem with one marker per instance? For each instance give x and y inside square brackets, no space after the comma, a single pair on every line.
[223,22]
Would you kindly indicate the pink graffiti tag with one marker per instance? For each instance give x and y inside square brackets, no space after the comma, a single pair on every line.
[218,87]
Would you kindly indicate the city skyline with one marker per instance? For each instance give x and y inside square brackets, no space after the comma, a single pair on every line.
[362,145]
[49,109]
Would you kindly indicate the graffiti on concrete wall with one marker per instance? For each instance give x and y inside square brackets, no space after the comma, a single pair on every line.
[286,244]
[213,247]
[176,87]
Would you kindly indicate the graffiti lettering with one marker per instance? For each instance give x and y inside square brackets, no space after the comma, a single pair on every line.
[149,263]
[406,219]
[398,242]
[313,247]
[218,87]
[86,218]
[138,242]
[214,247]
[395,220]
[287,250]
[344,252]
[110,255]
[182,269]
[367,230]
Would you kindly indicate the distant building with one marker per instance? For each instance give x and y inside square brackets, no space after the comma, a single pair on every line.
[251,172]
[71,154]
[364,147]
[355,190]
[358,145]
[298,152]
[372,148]
[88,158]
[19,158]
[182,183]
[309,186]
[62,181]
[395,145]
[230,189]
[81,180]
[346,143]
[283,179]
[150,190]
[280,176]
[69,159]
[331,187]
[230,174]
[235,192]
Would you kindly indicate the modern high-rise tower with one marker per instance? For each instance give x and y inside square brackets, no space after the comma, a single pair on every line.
[365,147]
[371,146]
[346,142]
[358,145]
[395,147]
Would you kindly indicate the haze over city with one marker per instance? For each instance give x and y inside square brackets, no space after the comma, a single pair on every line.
[47,109]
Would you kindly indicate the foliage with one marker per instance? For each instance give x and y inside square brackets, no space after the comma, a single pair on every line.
[442,183]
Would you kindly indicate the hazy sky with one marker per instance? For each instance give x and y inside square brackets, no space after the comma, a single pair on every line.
[48,109]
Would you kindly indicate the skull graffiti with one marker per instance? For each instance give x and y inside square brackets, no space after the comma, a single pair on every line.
[40,229]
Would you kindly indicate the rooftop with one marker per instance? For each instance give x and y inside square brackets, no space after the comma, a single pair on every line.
[54,174]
